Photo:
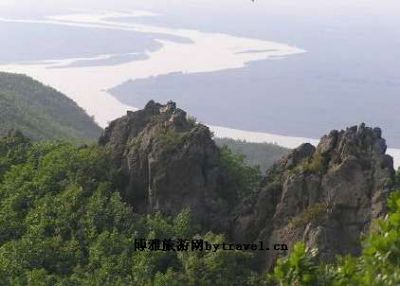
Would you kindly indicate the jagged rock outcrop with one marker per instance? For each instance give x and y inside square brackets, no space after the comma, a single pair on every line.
[326,196]
[171,163]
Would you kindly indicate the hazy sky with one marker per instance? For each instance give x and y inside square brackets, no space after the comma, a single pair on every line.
[301,7]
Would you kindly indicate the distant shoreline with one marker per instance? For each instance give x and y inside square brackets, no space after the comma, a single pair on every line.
[88,85]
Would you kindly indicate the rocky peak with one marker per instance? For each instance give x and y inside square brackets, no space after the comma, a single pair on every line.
[326,196]
[356,141]
[170,161]
[304,151]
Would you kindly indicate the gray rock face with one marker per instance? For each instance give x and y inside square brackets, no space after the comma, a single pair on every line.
[171,163]
[326,196]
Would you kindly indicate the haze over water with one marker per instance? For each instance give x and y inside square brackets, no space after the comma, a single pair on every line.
[276,67]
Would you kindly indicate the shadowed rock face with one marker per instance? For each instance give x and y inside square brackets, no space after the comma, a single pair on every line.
[171,163]
[326,196]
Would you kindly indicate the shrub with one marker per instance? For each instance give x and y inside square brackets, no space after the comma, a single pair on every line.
[317,164]
[244,178]
[312,213]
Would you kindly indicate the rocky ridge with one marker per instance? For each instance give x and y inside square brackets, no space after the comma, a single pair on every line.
[326,196]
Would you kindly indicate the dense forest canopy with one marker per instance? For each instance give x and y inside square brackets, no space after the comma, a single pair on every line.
[63,222]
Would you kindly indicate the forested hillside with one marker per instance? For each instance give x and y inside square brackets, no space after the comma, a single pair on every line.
[255,154]
[63,221]
[41,112]
[141,206]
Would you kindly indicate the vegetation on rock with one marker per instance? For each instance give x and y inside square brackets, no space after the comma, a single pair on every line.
[74,215]
[63,222]
[378,265]
[245,179]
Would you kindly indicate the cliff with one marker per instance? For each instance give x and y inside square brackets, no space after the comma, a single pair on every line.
[326,196]
[171,163]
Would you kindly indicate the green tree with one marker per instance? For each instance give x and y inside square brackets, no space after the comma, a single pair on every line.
[244,179]
[63,222]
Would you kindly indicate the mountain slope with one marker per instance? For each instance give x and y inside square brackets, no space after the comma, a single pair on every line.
[73,215]
[314,194]
[41,112]
[263,155]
